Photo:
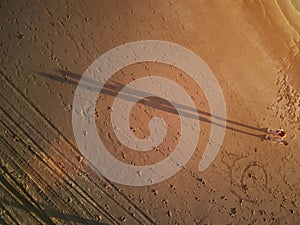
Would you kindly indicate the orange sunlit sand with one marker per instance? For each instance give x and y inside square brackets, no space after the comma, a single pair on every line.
[252,49]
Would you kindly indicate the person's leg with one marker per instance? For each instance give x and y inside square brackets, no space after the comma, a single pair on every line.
[269,130]
[268,137]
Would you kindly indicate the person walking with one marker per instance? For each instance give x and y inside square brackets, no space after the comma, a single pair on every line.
[276,136]
[279,132]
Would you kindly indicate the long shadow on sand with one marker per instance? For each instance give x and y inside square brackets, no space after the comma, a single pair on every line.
[114,89]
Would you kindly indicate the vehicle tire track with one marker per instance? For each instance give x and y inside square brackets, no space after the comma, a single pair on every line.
[10,95]
[45,166]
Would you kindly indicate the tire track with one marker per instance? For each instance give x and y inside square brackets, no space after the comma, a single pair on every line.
[45,167]
[72,181]
[52,211]
[51,196]
[49,165]
[6,216]
[121,201]
[22,198]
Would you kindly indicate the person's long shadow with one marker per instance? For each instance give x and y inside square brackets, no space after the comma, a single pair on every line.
[114,89]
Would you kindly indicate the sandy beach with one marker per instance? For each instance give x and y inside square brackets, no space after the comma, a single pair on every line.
[251,47]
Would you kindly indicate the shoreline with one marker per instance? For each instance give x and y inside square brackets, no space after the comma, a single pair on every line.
[277,28]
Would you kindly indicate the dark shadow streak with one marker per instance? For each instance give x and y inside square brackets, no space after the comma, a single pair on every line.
[114,89]
[20,114]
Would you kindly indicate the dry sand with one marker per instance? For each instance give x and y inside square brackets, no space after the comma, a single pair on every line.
[252,47]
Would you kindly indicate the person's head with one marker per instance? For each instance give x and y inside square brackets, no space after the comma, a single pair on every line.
[285,143]
[282,133]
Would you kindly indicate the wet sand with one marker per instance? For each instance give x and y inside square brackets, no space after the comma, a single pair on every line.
[252,48]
